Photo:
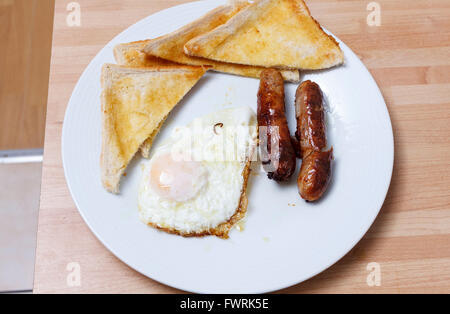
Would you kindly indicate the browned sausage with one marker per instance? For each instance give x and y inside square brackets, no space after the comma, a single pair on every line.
[272,121]
[315,172]
[311,131]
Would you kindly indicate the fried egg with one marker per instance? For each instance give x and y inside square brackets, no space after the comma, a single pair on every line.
[194,184]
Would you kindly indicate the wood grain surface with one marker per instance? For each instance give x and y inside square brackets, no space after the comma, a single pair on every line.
[409,56]
[25,37]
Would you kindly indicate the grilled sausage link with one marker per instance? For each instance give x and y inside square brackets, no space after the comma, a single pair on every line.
[280,164]
[311,132]
[315,175]
[315,172]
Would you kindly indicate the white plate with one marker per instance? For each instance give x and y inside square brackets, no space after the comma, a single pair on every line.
[282,244]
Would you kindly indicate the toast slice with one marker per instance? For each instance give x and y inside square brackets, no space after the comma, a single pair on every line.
[270,33]
[131,54]
[171,46]
[135,102]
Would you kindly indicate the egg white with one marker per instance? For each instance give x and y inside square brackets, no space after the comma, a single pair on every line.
[217,199]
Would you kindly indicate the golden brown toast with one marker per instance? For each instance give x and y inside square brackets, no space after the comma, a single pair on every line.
[135,102]
[131,54]
[171,46]
[270,33]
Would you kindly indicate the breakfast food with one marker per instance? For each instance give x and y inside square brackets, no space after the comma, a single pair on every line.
[278,155]
[315,172]
[135,101]
[147,145]
[270,33]
[200,189]
[315,175]
[309,111]
[130,54]
[181,193]
[171,46]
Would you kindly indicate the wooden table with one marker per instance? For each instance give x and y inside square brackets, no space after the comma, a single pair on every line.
[409,56]
[26,40]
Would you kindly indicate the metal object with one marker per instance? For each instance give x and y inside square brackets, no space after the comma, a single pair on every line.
[21,156]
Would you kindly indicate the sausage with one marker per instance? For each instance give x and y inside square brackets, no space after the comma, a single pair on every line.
[315,172]
[315,175]
[273,127]
[311,132]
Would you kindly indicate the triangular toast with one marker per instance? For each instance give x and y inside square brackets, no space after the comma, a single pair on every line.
[270,33]
[171,46]
[131,54]
[135,101]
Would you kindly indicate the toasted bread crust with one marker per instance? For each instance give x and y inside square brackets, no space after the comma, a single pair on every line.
[131,54]
[270,33]
[171,46]
[119,148]
[147,145]
[223,229]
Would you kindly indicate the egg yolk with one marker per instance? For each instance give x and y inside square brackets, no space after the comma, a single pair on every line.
[177,180]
